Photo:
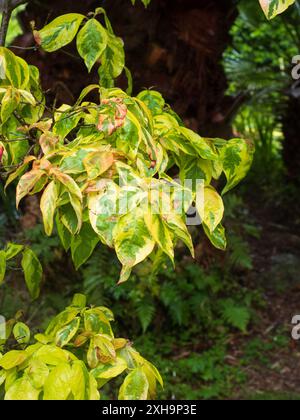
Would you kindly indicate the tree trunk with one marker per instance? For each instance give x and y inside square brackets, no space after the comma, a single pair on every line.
[291,144]
[175,46]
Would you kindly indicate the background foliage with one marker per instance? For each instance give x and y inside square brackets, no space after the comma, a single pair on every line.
[221,321]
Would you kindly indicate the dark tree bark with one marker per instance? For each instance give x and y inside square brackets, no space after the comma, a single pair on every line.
[175,46]
[291,145]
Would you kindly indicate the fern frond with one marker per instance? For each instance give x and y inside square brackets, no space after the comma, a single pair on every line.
[237,316]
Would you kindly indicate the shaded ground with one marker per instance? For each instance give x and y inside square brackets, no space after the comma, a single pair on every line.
[273,372]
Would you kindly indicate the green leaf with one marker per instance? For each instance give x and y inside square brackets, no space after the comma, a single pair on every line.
[62,319]
[12,359]
[70,219]
[125,274]
[27,183]
[67,121]
[79,300]
[65,334]
[51,355]
[153,376]
[64,234]
[180,231]
[12,250]
[105,348]
[9,103]
[58,384]
[2,376]
[83,245]
[22,389]
[201,145]
[113,58]
[69,183]
[154,101]
[21,333]
[237,316]
[98,162]
[80,381]
[91,356]
[27,97]
[211,210]
[135,386]
[19,171]
[91,42]
[58,33]
[77,207]
[110,370]
[37,372]
[94,393]
[197,170]
[95,321]
[102,212]
[85,92]
[217,237]
[2,266]
[132,241]
[48,206]
[160,233]
[14,70]
[32,271]
[273,8]
[237,156]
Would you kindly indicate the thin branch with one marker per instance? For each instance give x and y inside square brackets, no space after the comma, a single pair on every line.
[6,15]
[6,8]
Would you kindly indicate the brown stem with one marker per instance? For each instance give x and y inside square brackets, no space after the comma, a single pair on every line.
[7,7]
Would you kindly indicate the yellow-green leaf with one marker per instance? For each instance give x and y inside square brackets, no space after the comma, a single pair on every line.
[12,250]
[94,393]
[51,355]
[13,358]
[2,266]
[160,233]
[69,183]
[180,231]
[48,206]
[2,376]
[80,381]
[65,334]
[37,372]
[273,8]
[32,271]
[19,171]
[27,183]
[9,103]
[91,42]
[22,389]
[58,384]
[217,237]
[27,97]
[96,163]
[14,70]
[95,321]
[237,156]
[204,149]
[104,347]
[21,333]
[58,33]
[135,386]
[102,212]
[212,210]
[110,370]
[62,319]
[132,241]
